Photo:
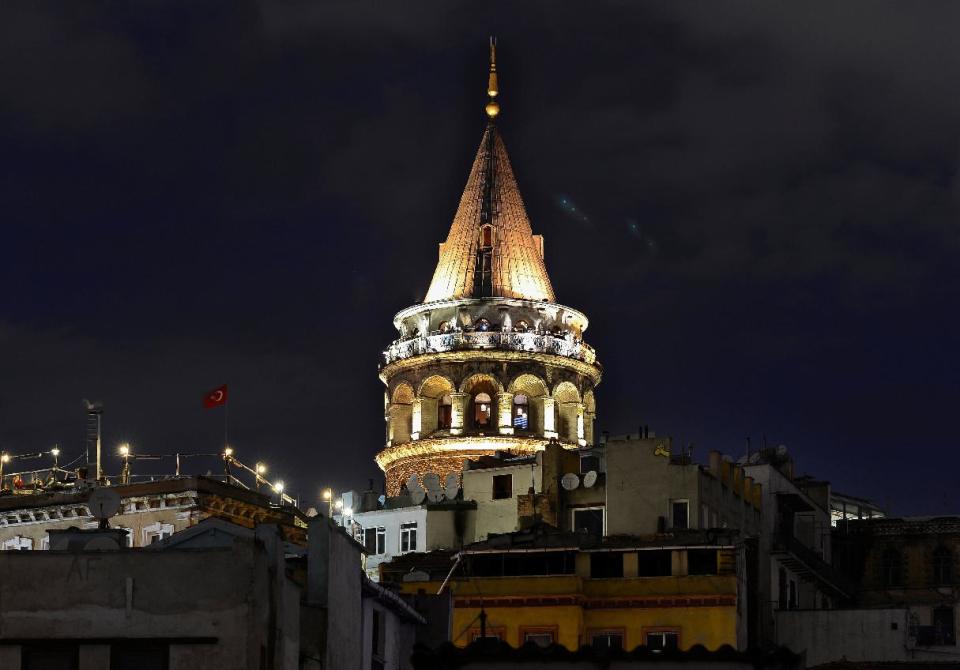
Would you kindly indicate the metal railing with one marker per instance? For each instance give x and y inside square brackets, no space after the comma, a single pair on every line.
[546,343]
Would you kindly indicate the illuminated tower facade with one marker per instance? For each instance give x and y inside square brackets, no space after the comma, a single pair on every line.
[489,361]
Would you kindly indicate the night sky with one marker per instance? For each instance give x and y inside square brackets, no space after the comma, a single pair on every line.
[756,204]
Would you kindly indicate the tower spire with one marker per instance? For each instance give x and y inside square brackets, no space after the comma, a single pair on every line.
[493,108]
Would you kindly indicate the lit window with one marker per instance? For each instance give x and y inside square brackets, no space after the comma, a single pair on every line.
[521,326]
[481,410]
[662,640]
[482,325]
[486,236]
[521,412]
[445,412]
[408,536]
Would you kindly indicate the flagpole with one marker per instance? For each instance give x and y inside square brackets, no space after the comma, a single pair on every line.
[226,405]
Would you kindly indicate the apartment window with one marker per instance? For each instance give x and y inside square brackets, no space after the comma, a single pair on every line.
[680,513]
[942,559]
[662,640]
[705,516]
[781,588]
[655,563]
[17,543]
[702,561]
[588,520]
[375,540]
[588,463]
[540,636]
[606,564]
[891,567]
[143,655]
[408,536]
[156,532]
[606,640]
[793,603]
[502,487]
[50,656]
[378,641]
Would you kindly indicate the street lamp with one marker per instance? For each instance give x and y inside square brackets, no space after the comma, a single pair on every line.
[227,457]
[261,469]
[278,487]
[328,496]
[125,453]
[4,458]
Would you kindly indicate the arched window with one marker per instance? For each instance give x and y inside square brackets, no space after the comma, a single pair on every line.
[891,568]
[521,412]
[483,325]
[486,236]
[482,410]
[444,412]
[942,564]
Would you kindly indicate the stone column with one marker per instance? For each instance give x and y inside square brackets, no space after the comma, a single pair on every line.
[505,413]
[549,418]
[458,411]
[416,423]
[580,439]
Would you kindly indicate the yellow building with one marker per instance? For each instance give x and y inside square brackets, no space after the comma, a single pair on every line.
[545,587]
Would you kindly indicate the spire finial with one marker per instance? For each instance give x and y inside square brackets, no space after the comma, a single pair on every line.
[492,107]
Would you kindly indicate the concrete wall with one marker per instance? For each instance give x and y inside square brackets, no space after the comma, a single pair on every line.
[498,516]
[333,595]
[641,483]
[399,637]
[857,635]
[58,595]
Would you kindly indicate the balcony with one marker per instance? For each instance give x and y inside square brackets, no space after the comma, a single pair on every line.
[544,343]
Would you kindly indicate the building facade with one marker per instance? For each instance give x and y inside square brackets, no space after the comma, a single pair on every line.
[553,587]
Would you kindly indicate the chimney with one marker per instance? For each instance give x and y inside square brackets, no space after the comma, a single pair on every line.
[715,457]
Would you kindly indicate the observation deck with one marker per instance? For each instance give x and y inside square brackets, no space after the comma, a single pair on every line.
[557,344]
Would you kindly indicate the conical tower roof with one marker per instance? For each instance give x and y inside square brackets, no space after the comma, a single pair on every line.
[505,262]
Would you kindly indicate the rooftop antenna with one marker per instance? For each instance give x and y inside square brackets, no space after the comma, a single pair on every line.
[93,441]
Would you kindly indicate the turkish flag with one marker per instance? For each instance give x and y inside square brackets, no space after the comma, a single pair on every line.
[216,397]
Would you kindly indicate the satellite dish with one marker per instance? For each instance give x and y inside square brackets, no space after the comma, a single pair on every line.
[382,499]
[782,450]
[412,483]
[754,458]
[104,503]
[431,481]
[452,486]
[590,479]
[417,496]
[434,496]
[570,481]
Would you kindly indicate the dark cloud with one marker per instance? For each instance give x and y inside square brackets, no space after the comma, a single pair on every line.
[247,192]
